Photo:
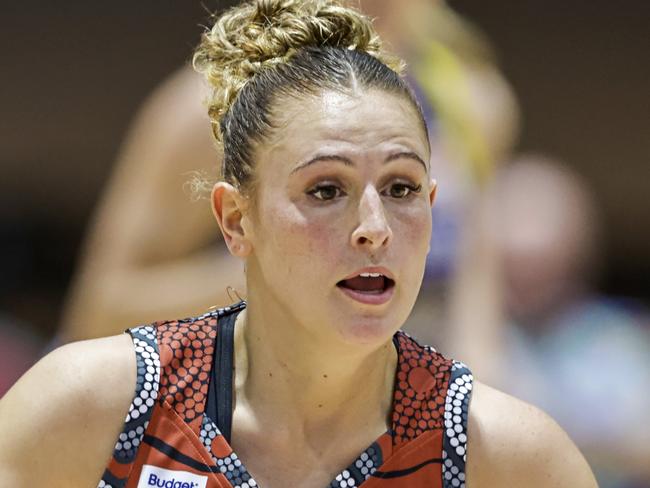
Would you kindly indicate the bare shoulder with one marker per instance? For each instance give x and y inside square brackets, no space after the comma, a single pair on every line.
[69,409]
[512,443]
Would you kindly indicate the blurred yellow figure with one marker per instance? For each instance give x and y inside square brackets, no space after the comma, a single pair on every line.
[455,68]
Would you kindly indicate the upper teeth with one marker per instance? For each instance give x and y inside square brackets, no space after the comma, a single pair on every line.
[370,275]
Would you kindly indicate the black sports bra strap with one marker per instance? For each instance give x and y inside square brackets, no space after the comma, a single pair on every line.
[219,403]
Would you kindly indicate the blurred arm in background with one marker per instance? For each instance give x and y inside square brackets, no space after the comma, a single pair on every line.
[151,251]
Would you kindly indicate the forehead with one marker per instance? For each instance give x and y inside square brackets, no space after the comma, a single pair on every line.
[362,121]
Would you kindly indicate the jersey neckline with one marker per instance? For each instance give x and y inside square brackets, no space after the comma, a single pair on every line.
[218,417]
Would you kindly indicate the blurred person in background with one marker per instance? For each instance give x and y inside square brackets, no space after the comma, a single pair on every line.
[580,356]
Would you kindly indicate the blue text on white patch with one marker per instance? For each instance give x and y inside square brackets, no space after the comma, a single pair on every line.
[155,477]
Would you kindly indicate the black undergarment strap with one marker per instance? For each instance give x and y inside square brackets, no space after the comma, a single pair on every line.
[219,407]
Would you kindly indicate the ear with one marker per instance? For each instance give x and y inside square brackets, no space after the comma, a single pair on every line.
[228,207]
[433,184]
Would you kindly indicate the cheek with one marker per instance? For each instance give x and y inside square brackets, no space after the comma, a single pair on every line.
[412,227]
[290,233]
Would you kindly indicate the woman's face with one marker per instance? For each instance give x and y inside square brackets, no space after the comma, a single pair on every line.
[341,223]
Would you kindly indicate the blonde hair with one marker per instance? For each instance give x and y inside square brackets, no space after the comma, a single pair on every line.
[264,49]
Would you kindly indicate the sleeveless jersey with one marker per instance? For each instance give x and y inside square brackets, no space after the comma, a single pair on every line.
[169,439]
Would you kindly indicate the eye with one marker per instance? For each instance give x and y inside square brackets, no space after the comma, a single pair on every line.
[325,192]
[403,190]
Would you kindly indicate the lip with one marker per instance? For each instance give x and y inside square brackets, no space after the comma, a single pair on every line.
[369,298]
[375,269]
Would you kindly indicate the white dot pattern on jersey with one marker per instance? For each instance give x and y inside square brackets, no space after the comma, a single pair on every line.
[454,451]
[233,469]
[208,433]
[369,461]
[360,470]
[230,466]
[343,480]
[146,393]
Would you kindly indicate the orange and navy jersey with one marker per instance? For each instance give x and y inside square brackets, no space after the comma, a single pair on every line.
[170,441]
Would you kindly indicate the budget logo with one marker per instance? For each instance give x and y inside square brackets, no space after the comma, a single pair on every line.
[154,477]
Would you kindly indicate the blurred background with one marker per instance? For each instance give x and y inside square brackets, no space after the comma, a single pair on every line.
[76,74]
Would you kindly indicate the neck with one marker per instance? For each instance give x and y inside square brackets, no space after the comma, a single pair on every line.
[306,384]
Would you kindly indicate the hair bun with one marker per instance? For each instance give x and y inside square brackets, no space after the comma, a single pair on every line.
[262,33]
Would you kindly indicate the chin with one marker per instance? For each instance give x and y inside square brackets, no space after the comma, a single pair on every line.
[367,330]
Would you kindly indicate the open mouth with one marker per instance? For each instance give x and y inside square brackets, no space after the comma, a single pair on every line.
[369,288]
[374,283]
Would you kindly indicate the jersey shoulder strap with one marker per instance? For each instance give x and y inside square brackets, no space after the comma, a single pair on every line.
[432,395]
[147,389]
[174,364]
[454,446]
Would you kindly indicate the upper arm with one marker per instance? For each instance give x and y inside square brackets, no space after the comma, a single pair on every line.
[512,443]
[147,234]
[146,201]
[60,421]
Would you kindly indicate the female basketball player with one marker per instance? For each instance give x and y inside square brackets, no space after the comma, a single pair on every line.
[326,196]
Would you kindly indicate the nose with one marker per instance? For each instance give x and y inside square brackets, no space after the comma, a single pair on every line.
[373,231]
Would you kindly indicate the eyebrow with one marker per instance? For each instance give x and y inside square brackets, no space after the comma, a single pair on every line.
[348,161]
